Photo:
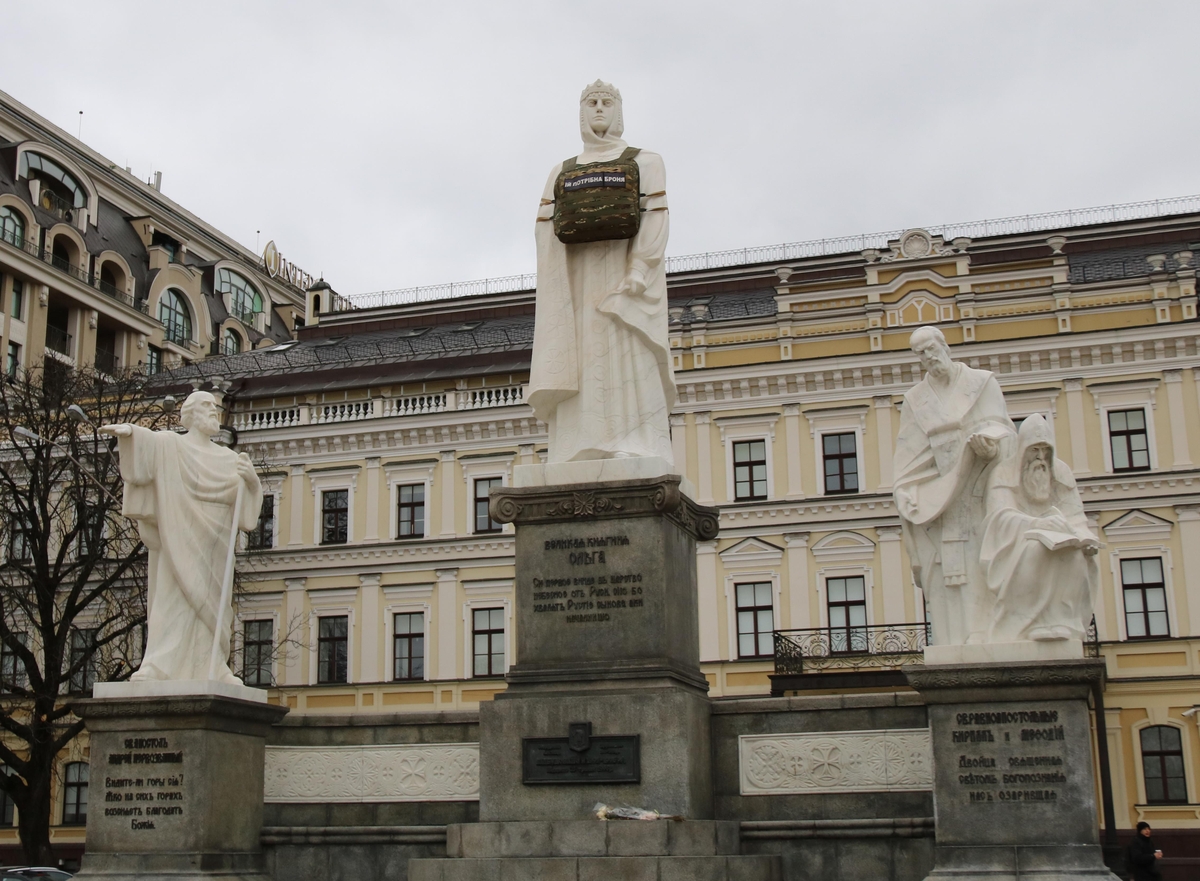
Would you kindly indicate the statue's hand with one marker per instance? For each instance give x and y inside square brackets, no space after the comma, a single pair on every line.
[245,468]
[634,284]
[983,446]
[119,429]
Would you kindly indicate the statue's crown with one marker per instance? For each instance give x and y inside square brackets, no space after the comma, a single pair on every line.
[599,87]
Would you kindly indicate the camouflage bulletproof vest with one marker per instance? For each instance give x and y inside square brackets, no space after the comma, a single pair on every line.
[598,202]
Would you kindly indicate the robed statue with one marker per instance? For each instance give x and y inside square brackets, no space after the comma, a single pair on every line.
[601,376]
[189,497]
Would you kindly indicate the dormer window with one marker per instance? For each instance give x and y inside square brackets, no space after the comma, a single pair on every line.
[12,226]
[60,192]
[244,300]
[231,342]
[175,316]
[168,244]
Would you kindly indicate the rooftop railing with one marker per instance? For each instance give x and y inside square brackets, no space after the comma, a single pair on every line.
[820,649]
[1015,225]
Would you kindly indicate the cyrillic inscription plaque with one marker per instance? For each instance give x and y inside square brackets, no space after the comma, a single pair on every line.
[581,758]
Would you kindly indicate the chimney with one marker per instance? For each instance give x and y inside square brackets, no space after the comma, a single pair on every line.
[158,181]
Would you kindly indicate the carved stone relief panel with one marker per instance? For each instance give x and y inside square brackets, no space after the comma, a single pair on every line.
[394,772]
[892,760]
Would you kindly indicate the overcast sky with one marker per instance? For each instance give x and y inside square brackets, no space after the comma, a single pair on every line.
[396,144]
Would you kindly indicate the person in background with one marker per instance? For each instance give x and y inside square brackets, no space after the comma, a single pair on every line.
[1141,859]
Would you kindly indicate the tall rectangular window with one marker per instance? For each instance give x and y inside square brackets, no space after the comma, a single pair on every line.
[12,671]
[841,463]
[20,539]
[262,536]
[1162,765]
[153,360]
[92,519]
[1129,441]
[483,520]
[85,659]
[756,620]
[410,510]
[847,614]
[333,644]
[408,646]
[8,807]
[487,631]
[335,516]
[1145,598]
[12,361]
[75,794]
[749,470]
[258,642]
[18,300]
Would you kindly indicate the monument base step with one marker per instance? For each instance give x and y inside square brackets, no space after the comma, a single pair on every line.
[607,868]
[593,838]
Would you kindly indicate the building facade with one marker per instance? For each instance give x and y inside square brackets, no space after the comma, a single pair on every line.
[383,586]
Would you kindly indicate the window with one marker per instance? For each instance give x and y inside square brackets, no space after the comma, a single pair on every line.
[13,362]
[175,316]
[12,670]
[335,516]
[487,628]
[75,794]
[333,643]
[1145,598]
[85,660]
[153,360]
[1162,765]
[8,807]
[749,470]
[12,226]
[47,170]
[20,539]
[18,299]
[231,342]
[483,520]
[258,640]
[1130,443]
[262,536]
[847,614]
[92,520]
[410,510]
[408,642]
[841,463]
[244,301]
[756,620]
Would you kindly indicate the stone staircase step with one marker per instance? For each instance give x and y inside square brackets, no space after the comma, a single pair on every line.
[636,868]
[584,838]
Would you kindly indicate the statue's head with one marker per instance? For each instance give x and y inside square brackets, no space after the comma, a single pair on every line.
[1036,448]
[600,111]
[930,346]
[201,413]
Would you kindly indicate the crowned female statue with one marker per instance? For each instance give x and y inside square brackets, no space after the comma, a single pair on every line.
[601,377]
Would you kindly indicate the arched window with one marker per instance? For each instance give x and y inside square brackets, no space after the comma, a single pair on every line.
[12,226]
[244,299]
[1162,765]
[175,316]
[231,342]
[61,185]
[75,794]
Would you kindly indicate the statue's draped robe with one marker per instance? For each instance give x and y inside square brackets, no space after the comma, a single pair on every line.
[1033,586]
[935,465]
[181,494]
[601,377]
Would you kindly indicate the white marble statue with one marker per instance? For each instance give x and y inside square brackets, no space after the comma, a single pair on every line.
[601,376]
[953,426]
[1038,550]
[184,490]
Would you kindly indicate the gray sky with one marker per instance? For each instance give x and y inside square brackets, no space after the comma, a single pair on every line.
[397,144]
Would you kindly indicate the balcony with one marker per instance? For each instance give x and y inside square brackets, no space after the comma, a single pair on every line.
[58,340]
[120,296]
[106,360]
[62,264]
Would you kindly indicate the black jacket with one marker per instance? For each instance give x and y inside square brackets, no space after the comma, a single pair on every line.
[1140,861]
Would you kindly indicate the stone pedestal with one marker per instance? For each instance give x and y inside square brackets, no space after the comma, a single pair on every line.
[176,787]
[1014,790]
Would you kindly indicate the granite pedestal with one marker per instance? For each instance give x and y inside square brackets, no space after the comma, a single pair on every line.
[176,787]
[1014,790]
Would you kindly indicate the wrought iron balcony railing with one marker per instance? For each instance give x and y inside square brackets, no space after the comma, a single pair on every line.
[849,648]
[58,340]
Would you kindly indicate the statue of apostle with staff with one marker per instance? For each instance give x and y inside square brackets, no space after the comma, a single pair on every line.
[189,497]
[601,377]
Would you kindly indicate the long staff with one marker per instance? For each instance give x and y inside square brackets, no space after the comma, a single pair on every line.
[226,584]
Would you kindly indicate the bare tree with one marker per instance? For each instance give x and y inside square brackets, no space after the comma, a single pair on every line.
[73,577]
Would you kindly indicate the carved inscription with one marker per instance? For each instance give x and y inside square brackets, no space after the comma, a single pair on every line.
[588,584]
[1010,756]
[144,782]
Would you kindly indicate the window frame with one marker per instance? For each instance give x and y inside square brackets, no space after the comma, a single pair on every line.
[1161,754]
[269,667]
[751,463]
[736,429]
[1141,588]
[181,327]
[838,420]
[498,481]
[9,658]
[78,788]
[756,609]
[251,545]
[841,458]
[335,479]
[491,653]
[848,628]
[327,509]
[16,300]
[401,506]
[234,294]
[12,360]
[1126,395]
[410,637]
[82,680]
[1127,434]
[20,226]
[323,640]
[228,334]
[8,807]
